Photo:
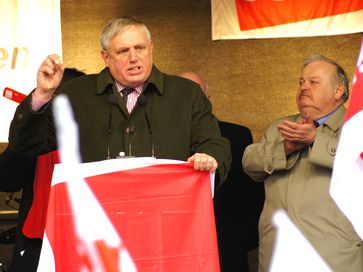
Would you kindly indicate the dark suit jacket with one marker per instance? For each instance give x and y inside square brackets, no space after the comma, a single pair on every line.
[180,116]
[17,173]
[238,202]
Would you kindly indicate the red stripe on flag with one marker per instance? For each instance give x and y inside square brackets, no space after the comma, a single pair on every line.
[265,13]
[35,221]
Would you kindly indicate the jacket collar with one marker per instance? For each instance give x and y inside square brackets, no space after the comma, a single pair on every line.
[155,81]
[335,121]
[104,81]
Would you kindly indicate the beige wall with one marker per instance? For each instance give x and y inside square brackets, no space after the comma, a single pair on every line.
[251,81]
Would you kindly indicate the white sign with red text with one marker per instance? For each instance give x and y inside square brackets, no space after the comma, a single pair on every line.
[29,31]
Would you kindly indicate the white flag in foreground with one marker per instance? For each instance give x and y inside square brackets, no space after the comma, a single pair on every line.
[292,251]
[347,182]
[99,246]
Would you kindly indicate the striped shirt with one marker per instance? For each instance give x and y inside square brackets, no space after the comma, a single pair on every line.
[132,97]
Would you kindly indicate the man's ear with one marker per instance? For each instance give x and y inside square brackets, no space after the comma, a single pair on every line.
[339,91]
[105,57]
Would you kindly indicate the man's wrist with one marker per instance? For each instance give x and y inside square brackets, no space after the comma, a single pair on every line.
[39,100]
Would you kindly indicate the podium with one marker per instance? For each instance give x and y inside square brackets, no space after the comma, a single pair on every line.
[162,211]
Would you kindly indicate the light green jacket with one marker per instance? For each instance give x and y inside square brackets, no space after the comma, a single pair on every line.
[299,185]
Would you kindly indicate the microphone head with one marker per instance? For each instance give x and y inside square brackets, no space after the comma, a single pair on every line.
[112,99]
[130,130]
[142,100]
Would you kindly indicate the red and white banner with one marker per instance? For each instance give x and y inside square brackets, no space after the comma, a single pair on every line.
[347,181]
[246,19]
[29,31]
[162,210]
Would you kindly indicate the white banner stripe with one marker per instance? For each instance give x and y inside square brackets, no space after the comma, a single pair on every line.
[108,166]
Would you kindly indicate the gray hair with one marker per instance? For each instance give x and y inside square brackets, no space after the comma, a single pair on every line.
[341,76]
[119,24]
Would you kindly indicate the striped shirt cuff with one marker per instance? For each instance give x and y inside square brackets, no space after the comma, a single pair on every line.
[38,103]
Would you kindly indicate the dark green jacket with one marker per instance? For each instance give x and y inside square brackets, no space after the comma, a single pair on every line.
[180,115]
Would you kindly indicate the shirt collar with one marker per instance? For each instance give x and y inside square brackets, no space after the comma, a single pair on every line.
[120,87]
[326,117]
[335,120]
[155,81]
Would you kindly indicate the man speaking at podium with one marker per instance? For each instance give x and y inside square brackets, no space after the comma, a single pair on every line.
[129,108]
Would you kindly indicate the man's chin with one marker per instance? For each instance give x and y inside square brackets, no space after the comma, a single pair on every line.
[135,80]
[308,112]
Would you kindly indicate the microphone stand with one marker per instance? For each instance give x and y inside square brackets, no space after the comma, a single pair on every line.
[143,101]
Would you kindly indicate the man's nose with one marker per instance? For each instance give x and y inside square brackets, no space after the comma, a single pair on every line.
[132,54]
[304,86]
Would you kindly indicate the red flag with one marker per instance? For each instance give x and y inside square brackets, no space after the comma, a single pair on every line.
[347,181]
[163,212]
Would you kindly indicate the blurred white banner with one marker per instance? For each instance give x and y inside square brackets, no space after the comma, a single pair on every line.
[292,251]
[30,30]
[347,182]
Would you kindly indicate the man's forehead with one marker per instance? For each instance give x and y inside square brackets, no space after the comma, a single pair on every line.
[322,65]
[131,30]
[122,41]
[318,69]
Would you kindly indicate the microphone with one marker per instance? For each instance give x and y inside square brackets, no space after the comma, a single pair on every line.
[112,100]
[130,131]
[143,101]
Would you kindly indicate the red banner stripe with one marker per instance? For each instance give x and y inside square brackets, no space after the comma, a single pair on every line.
[266,13]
